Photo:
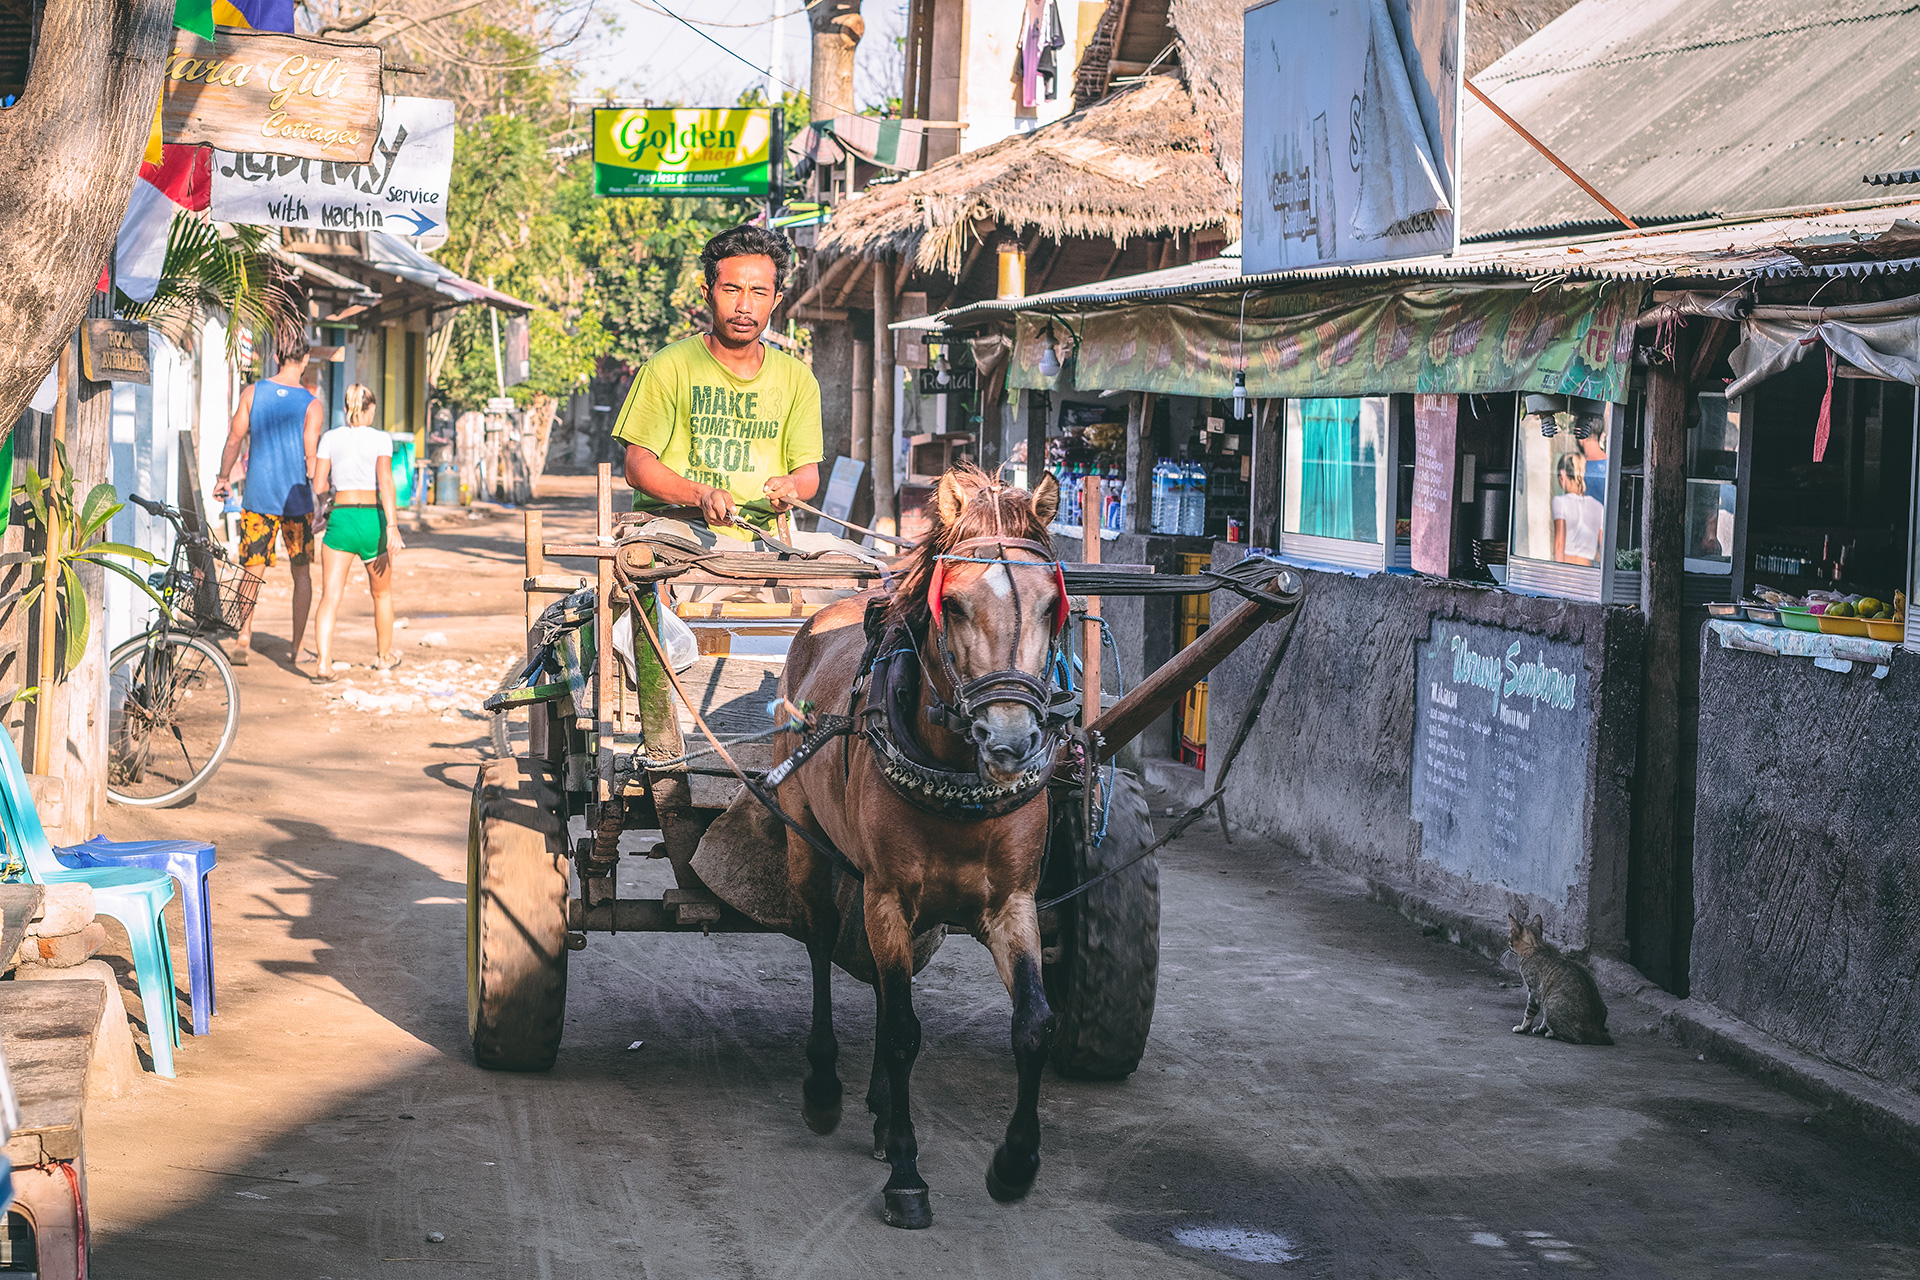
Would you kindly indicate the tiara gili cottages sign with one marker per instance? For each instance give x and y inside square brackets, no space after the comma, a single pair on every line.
[278,94]
[669,151]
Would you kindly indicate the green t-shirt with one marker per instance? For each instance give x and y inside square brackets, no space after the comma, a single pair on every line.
[714,428]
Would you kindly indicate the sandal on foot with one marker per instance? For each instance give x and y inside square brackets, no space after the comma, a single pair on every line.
[322,677]
[238,657]
[386,661]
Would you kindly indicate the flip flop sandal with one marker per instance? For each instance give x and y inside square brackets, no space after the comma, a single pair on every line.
[386,662]
[322,677]
[238,657]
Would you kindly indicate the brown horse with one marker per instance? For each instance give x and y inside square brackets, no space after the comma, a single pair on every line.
[937,799]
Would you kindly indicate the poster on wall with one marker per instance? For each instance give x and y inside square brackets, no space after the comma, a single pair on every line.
[1435,423]
[401,190]
[1352,140]
[1500,731]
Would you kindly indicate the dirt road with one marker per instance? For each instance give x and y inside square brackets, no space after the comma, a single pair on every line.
[1327,1093]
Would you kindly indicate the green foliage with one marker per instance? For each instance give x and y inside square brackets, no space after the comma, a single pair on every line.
[70,533]
[208,269]
[613,280]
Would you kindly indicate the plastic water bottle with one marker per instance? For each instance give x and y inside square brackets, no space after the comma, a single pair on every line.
[1198,497]
[1158,521]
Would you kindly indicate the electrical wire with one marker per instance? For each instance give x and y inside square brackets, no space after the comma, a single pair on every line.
[745,62]
[757,22]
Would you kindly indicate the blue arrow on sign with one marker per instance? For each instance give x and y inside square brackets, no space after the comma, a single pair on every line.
[422,224]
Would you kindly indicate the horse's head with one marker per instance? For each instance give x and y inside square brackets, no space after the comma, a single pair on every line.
[985,582]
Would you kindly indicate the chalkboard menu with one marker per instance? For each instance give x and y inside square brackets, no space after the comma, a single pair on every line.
[1500,731]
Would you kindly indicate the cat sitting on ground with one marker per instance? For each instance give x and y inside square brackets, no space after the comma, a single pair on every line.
[1563,1002]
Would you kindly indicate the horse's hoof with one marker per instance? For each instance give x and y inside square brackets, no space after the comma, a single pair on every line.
[908,1208]
[822,1120]
[1009,1178]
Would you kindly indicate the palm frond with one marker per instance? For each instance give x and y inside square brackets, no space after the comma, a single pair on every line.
[213,267]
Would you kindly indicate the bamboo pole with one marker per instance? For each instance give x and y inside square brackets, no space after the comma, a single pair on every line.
[1090,503]
[43,717]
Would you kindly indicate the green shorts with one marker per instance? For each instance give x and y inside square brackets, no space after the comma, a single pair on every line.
[360,531]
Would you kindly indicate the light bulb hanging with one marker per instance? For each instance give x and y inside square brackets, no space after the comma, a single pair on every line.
[1239,395]
[1050,355]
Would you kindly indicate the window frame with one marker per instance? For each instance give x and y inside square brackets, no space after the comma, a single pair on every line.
[1318,550]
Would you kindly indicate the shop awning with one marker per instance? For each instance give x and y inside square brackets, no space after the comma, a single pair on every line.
[395,256]
[892,144]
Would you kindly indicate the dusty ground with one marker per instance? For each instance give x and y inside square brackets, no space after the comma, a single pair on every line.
[1327,1093]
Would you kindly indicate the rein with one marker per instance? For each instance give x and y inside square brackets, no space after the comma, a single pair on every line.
[1008,684]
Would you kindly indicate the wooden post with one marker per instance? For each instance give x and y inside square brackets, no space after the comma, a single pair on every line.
[1138,515]
[1036,437]
[860,442]
[885,500]
[1651,879]
[1090,504]
[45,713]
[1263,503]
[536,564]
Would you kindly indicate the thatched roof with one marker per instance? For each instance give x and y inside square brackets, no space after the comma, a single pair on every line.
[1212,43]
[1140,163]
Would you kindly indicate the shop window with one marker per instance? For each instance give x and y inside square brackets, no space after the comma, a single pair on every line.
[19,32]
[1562,540]
[1337,481]
[1713,456]
[1844,524]
[1630,470]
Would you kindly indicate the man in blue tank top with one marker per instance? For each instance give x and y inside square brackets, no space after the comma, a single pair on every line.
[278,422]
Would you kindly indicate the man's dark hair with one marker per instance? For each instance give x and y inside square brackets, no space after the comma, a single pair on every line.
[748,242]
[290,346]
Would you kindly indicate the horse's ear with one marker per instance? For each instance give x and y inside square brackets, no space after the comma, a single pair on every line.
[951,498]
[1046,497]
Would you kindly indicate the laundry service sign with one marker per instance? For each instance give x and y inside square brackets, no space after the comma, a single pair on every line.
[1501,728]
[402,190]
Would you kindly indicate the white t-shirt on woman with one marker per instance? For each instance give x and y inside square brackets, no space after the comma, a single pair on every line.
[357,454]
[1584,516]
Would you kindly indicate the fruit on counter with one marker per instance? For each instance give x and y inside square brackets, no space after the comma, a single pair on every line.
[1840,609]
[1868,607]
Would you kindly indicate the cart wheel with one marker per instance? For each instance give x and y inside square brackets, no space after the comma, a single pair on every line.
[1106,941]
[516,919]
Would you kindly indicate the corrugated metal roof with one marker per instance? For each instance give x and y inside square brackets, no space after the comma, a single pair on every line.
[1861,242]
[390,253]
[1668,106]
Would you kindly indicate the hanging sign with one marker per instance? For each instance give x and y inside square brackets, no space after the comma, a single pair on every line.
[1435,419]
[673,151]
[402,190]
[115,351]
[282,94]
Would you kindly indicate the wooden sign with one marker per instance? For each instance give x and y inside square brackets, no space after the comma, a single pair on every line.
[1434,421]
[278,94]
[115,351]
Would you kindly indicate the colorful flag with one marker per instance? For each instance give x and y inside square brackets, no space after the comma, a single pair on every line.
[260,15]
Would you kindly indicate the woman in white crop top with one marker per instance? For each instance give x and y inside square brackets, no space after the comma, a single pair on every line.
[356,463]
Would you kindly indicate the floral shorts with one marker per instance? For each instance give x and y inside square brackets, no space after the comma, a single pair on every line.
[256,538]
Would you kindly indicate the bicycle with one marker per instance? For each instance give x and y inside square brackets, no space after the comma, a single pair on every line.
[173,705]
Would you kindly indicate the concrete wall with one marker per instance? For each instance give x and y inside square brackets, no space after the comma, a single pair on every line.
[1328,772]
[1807,856]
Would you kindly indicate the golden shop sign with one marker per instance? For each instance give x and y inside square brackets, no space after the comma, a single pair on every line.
[278,94]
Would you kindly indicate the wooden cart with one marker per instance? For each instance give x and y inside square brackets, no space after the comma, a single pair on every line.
[548,814]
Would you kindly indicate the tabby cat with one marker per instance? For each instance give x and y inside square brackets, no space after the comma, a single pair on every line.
[1563,1002]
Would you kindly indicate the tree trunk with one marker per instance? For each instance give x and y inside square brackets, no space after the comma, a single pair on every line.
[71,150]
[837,28]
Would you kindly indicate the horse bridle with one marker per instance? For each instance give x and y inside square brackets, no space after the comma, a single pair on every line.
[1007,684]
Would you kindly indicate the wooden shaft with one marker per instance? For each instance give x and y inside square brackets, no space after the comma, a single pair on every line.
[1090,504]
[1158,692]
[607,665]
[536,565]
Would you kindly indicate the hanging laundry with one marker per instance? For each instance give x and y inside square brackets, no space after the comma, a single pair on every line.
[1056,40]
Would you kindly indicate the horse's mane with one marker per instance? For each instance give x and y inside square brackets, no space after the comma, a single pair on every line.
[992,509]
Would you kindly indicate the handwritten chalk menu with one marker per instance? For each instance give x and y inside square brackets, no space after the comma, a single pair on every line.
[1500,731]
[1434,422]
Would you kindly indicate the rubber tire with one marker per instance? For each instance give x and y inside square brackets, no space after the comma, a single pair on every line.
[1102,986]
[125,651]
[516,919]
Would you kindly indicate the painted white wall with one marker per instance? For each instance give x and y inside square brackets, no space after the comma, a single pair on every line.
[989,70]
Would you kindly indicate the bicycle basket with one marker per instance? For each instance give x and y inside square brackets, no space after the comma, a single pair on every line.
[221,596]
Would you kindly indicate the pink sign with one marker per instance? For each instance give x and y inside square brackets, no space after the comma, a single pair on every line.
[1434,421]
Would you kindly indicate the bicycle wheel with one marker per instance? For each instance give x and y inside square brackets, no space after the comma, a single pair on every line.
[173,711]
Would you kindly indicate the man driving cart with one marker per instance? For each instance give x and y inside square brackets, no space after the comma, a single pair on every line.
[722,430]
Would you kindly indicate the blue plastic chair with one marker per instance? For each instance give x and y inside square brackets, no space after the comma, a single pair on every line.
[134,896]
[187,861]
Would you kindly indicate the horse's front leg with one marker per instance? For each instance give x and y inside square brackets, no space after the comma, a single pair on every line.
[890,935]
[1013,935]
[811,883]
